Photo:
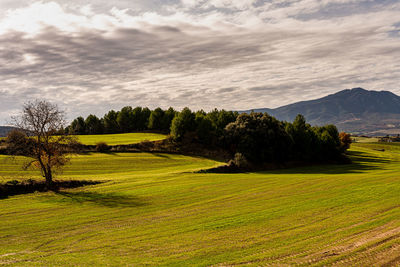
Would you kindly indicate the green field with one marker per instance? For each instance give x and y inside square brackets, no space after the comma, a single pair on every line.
[119,139]
[365,139]
[153,210]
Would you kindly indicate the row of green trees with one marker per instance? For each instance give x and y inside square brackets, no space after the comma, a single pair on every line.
[255,137]
[207,128]
[260,137]
[126,120]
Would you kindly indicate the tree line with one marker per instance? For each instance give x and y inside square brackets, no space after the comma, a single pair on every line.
[258,137]
[254,138]
[126,120]
[138,119]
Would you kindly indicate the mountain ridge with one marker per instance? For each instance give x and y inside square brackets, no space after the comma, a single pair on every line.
[354,110]
[5,129]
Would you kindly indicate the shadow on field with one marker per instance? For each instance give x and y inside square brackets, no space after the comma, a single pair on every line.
[90,153]
[15,187]
[107,200]
[161,155]
[361,162]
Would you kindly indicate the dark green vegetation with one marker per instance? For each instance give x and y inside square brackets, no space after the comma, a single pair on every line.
[126,120]
[130,119]
[252,140]
[259,138]
[152,209]
[356,110]
[262,139]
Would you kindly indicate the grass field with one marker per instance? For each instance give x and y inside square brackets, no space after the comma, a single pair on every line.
[119,139]
[365,139]
[153,210]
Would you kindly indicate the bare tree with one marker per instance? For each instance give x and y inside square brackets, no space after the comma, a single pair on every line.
[43,122]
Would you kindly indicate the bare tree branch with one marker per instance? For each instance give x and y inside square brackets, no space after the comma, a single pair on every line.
[47,144]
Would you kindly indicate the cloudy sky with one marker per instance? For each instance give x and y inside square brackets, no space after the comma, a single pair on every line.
[94,55]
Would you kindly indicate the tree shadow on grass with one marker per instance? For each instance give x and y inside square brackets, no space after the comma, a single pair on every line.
[101,199]
[361,162]
[16,187]
[161,155]
[90,153]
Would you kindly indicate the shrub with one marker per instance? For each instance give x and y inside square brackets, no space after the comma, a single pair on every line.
[18,143]
[240,161]
[345,141]
[102,147]
[146,145]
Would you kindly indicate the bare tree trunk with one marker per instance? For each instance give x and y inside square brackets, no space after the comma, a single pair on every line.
[49,179]
[46,170]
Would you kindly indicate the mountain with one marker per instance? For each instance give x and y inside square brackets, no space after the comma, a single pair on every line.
[4,130]
[353,110]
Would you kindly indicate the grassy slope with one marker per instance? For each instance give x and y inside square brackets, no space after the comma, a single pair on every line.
[119,139]
[153,211]
[365,139]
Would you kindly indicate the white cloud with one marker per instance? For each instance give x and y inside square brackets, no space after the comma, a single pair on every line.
[204,54]
[236,4]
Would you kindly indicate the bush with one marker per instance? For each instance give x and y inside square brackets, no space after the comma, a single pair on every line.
[102,147]
[19,144]
[345,141]
[146,145]
[240,161]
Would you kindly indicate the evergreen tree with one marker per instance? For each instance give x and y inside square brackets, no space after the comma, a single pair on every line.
[93,125]
[156,119]
[110,122]
[183,122]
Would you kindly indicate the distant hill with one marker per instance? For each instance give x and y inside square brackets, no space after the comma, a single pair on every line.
[4,130]
[353,110]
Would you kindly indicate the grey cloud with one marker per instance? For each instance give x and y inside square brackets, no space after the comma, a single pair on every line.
[227,90]
[185,65]
[72,67]
[343,9]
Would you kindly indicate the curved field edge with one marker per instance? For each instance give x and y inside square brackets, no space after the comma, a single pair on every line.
[117,139]
[109,166]
[120,139]
[157,212]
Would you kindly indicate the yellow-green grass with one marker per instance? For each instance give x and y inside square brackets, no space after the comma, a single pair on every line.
[107,166]
[360,139]
[119,139]
[154,211]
